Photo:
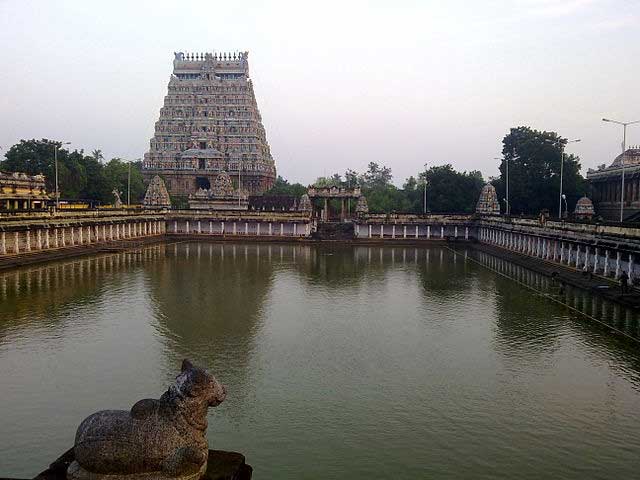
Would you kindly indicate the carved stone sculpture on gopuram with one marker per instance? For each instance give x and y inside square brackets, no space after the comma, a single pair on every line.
[157,439]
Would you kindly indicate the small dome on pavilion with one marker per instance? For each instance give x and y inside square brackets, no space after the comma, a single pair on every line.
[584,208]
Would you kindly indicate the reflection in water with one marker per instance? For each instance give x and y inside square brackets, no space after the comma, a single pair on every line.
[359,362]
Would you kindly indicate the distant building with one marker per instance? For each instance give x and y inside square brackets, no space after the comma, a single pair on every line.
[209,124]
[606,183]
[19,191]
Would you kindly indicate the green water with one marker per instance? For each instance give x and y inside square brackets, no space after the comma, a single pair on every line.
[352,362]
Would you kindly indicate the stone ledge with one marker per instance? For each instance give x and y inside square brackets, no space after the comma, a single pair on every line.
[221,466]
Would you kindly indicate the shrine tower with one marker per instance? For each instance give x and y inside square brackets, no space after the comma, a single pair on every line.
[209,124]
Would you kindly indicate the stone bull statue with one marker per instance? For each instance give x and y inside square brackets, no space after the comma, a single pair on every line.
[156,439]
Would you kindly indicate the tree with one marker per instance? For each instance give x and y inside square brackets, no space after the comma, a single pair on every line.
[534,171]
[97,155]
[283,187]
[376,176]
[449,191]
[80,176]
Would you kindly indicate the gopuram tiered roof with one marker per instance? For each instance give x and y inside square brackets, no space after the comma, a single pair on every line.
[209,124]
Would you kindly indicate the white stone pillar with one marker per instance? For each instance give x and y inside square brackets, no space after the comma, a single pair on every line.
[271,229]
[46,239]
[246,228]
[199,226]
[561,252]
[258,228]
[606,263]
[28,241]
[428,232]
[569,255]
[235,228]
[3,243]
[110,231]
[72,236]
[393,231]
[586,259]
[596,257]
[210,226]
[63,236]
[382,230]
[16,242]
[404,231]
[80,236]
[295,229]
[369,230]
[466,233]
[187,229]
[39,239]
[455,232]
[281,229]
[618,259]
[441,232]
[175,227]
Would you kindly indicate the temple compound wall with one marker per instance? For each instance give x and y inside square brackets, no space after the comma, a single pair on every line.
[247,224]
[49,232]
[210,123]
[601,249]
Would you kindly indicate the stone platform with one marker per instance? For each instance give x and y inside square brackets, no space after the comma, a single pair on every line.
[221,465]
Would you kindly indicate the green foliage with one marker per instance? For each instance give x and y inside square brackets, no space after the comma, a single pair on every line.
[283,187]
[447,190]
[80,176]
[534,171]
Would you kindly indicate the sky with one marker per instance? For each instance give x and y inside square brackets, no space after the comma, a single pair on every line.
[338,84]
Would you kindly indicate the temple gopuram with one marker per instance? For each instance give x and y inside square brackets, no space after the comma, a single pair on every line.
[210,124]
[606,184]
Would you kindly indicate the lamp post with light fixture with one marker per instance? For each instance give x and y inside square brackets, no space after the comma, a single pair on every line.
[561,172]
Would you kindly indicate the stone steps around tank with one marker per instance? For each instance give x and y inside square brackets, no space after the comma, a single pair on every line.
[221,465]
[334,231]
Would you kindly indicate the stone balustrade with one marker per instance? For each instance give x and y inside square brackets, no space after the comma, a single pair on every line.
[27,234]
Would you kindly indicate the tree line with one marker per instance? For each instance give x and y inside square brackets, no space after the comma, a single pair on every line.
[81,177]
[534,159]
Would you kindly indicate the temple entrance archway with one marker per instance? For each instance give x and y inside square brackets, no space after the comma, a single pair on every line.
[343,194]
[203,182]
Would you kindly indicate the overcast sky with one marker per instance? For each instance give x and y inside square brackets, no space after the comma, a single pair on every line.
[339,84]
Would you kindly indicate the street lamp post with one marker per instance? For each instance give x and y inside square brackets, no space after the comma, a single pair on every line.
[561,172]
[624,150]
[424,206]
[129,185]
[55,163]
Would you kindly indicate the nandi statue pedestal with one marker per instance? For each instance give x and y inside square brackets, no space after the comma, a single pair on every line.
[162,439]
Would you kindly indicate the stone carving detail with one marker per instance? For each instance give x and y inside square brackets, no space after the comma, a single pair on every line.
[362,207]
[305,203]
[117,202]
[222,186]
[157,439]
[157,195]
[488,202]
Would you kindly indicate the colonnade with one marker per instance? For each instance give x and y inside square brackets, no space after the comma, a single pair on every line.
[46,237]
[239,228]
[428,232]
[579,255]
